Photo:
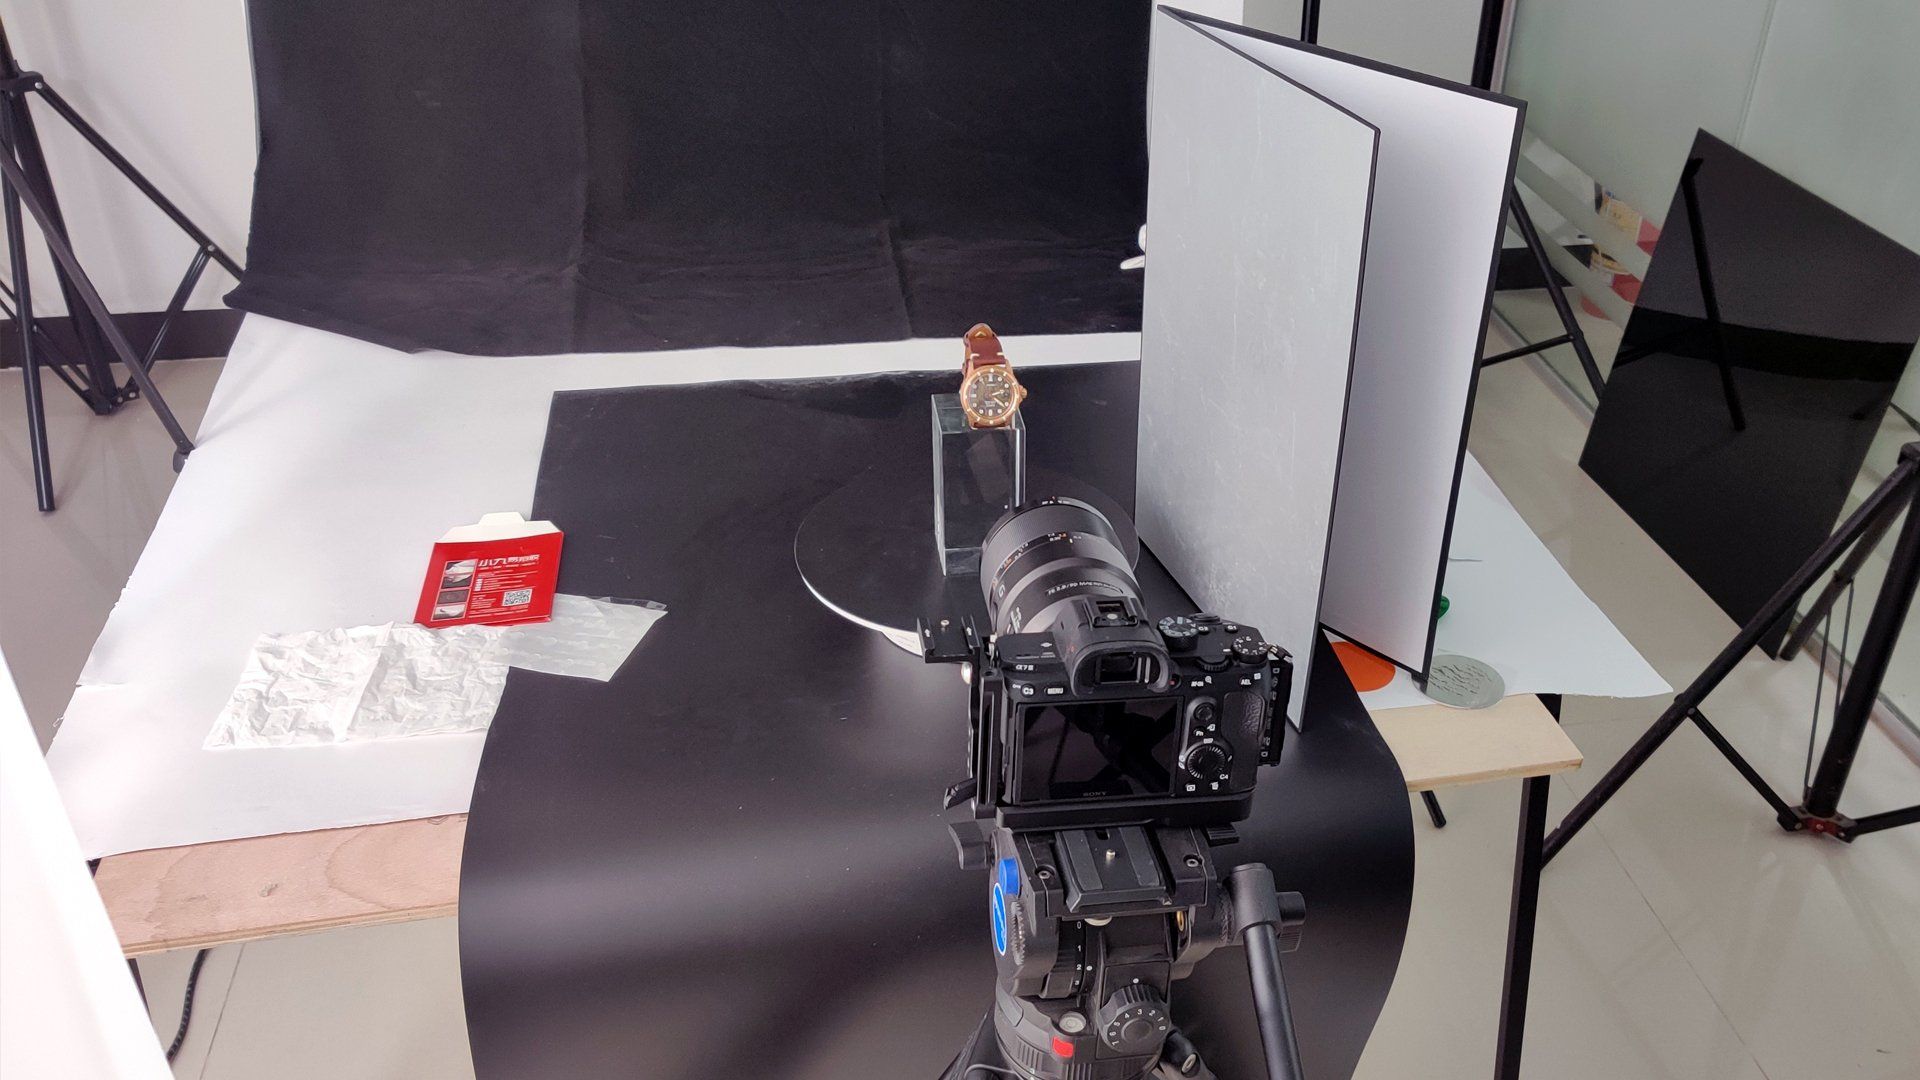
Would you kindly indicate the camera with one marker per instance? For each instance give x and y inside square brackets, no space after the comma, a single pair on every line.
[1085,711]
[1109,754]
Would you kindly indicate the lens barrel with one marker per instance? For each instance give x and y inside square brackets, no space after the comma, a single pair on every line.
[1040,557]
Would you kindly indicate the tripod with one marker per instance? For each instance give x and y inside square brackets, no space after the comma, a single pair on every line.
[1092,926]
[98,341]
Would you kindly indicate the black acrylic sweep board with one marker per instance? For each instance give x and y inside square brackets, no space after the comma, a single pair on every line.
[729,861]
[1814,316]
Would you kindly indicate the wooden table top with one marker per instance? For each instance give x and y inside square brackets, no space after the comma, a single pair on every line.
[266,886]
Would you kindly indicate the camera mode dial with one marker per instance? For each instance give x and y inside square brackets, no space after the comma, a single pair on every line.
[1180,631]
[1134,1020]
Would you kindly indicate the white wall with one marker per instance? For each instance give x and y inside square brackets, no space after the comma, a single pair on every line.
[170,84]
[1434,36]
[1827,92]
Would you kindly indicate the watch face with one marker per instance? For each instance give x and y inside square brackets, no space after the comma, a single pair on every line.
[990,394]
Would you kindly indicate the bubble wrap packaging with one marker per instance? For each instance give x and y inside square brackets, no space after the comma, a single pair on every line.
[397,679]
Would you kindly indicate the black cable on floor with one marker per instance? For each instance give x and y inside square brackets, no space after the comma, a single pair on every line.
[186,1006]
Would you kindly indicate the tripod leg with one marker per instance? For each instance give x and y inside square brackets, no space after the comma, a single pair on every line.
[1855,708]
[1575,336]
[36,190]
[136,178]
[1891,819]
[77,278]
[23,301]
[1433,809]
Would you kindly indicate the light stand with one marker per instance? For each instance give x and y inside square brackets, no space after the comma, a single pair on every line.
[1819,810]
[98,339]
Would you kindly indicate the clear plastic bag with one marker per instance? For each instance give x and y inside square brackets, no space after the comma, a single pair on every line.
[397,680]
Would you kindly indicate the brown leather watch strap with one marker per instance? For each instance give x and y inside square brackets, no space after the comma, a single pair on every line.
[983,349]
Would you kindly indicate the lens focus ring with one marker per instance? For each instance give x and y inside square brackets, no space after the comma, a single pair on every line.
[1044,555]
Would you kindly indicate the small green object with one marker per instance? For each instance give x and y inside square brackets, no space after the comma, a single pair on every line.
[1443,607]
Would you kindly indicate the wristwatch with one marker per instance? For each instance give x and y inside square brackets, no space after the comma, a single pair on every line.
[989,393]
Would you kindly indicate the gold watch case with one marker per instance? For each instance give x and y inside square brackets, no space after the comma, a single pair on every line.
[991,395]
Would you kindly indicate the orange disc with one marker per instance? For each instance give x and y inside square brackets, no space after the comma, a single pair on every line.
[1367,671]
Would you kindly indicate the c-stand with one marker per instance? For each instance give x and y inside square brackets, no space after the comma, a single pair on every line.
[1091,928]
[98,341]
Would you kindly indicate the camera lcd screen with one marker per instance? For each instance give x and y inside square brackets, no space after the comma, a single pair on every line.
[1098,749]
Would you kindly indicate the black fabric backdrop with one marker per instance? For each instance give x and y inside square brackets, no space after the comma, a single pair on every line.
[512,177]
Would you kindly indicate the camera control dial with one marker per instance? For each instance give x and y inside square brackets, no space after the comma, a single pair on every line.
[1180,631]
[1249,649]
[1207,761]
[1134,1020]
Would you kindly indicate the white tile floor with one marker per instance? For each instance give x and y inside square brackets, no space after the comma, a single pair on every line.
[1682,936]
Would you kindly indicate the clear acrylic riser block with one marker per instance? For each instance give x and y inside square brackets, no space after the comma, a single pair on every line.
[978,475]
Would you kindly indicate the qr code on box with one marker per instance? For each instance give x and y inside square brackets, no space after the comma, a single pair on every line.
[516,598]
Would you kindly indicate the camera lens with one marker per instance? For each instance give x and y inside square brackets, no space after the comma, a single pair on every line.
[1039,558]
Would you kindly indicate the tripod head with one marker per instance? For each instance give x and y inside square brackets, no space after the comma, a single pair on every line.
[1091,929]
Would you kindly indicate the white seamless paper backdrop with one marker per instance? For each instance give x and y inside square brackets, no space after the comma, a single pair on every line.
[346,460]
[1513,606]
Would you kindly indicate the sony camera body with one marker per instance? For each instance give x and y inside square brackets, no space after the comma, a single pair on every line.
[1086,712]
[1112,719]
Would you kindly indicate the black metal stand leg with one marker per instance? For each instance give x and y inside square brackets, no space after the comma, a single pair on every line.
[1433,809]
[135,177]
[1575,336]
[90,297]
[1487,43]
[23,312]
[1855,708]
[1898,488]
[1781,811]
[1892,819]
[1843,576]
[1528,859]
[99,342]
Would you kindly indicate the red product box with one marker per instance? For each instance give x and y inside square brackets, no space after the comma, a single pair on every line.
[499,570]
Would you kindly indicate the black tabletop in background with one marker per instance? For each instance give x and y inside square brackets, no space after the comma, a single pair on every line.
[729,861]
